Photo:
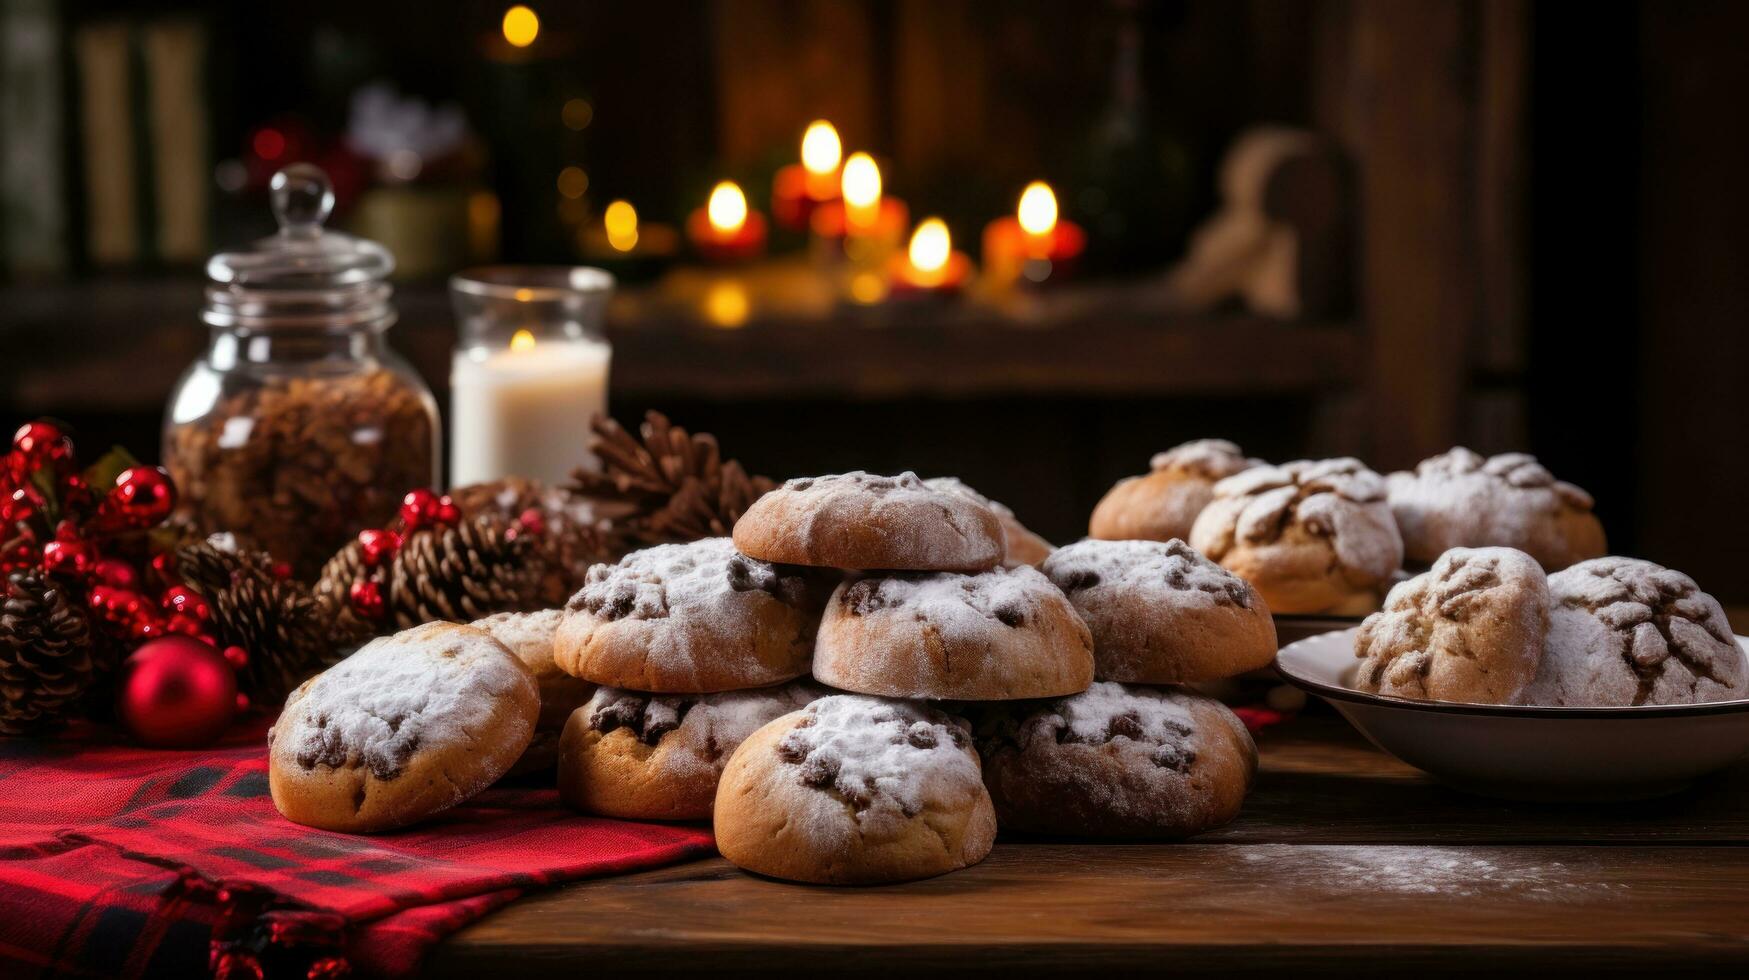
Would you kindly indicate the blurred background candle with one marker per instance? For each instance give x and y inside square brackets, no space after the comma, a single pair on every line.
[529,372]
[799,188]
[631,248]
[724,230]
[1035,244]
[930,266]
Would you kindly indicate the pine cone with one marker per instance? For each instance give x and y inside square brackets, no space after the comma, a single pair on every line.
[463,573]
[568,541]
[333,594]
[276,621]
[677,485]
[47,655]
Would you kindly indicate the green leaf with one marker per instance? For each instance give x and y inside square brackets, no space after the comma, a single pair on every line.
[44,479]
[100,476]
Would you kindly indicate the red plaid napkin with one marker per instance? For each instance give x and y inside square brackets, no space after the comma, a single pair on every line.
[120,861]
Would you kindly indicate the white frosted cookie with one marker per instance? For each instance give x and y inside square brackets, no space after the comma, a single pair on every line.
[1162,614]
[410,725]
[529,635]
[1470,630]
[1314,536]
[1023,546]
[997,635]
[1117,761]
[855,790]
[688,619]
[860,520]
[658,756]
[1163,503]
[1623,631]
[1459,499]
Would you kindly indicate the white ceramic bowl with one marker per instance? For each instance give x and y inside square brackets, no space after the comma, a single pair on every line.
[1528,753]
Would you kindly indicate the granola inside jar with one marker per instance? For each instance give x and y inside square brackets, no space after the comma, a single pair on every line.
[299,427]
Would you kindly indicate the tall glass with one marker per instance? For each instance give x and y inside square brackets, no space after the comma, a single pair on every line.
[530,370]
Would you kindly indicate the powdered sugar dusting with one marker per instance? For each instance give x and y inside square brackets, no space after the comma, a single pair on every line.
[887,760]
[695,734]
[692,578]
[529,635]
[433,685]
[1211,459]
[927,527]
[1338,500]
[1409,870]
[1169,572]
[953,484]
[1461,498]
[961,607]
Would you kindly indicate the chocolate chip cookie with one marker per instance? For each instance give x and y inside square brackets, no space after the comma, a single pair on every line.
[529,635]
[860,520]
[1460,500]
[1163,503]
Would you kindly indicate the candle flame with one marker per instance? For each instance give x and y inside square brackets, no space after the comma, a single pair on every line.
[520,26]
[522,340]
[621,221]
[1038,209]
[728,208]
[861,184]
[821,150]
[930,246]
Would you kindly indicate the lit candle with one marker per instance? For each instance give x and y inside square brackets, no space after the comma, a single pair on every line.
[798,189]
[622,242]
[725,230]
[1036,244]
[864,226]
[930,265]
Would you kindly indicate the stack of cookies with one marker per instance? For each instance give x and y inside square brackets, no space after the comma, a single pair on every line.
[876,786]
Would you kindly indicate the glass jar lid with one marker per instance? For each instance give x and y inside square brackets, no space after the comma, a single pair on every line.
[304,275]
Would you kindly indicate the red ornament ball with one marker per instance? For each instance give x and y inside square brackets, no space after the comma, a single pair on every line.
[367,599]
[68,557]
[176,693]
[115,572]
[378,547]
[142,497]
[42,442]
[418,508]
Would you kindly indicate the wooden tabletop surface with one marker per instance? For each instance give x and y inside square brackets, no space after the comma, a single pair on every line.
[1344,860]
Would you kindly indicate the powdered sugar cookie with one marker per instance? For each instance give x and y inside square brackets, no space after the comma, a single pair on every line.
[1458,499]
[688,619]
[859,520]
[1313,536]
[1471,629]
[658,756]
[855,790]
[1123,762]
[996,635]
[1624,631]
[409,725]
[529,635]
[1161,613]
[1023,546]
[1163,504]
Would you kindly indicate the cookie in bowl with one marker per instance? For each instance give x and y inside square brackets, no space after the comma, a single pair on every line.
[658,756]
[1164,503]
[1460,499]
[861,520]
[1117,761]
[1314,536]
[408,726]
[1023,546]
[996,635]
[689,618]
[1469,630]
[1623,631]
[529,635]
[855,790]
[1160,613]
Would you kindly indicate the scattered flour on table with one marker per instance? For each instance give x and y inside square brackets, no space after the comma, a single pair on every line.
[1404,870]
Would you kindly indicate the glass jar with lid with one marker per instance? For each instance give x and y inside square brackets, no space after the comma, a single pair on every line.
[299,427]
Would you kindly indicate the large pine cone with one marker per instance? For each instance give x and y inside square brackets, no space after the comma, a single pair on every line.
[47,655]
[482,566]
[333,594]
[570,538]
[276,620]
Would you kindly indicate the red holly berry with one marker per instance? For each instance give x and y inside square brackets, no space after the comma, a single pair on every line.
[447,512]
[114,571]
[187,626]
[68,557]
[418,508]
[366,598]
[142,497]
[237,657]
[242,702]
[182,600]
[42,442]
[378,547]
[22,504]
[533,521]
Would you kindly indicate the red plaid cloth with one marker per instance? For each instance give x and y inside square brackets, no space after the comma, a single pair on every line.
[120,861]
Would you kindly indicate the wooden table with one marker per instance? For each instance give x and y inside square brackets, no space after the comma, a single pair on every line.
[1344,860]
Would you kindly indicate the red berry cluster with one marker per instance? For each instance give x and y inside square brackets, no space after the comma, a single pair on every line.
[421,509]
[52,520]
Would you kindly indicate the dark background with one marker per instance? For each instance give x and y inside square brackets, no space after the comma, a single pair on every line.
[1552,223]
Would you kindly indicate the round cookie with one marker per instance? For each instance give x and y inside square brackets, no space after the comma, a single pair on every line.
[859,520]
[688,619]
[1161,613]
[1624,631]
[658,757]
[1460,500]
[1163,504]
[529,635]
[1023,547]
[1130,763]
[855,790]
[996,635]
[1314,536]
[1470,630]
[410,725]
